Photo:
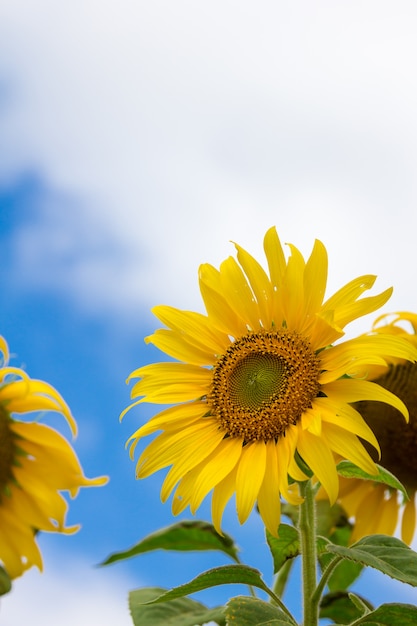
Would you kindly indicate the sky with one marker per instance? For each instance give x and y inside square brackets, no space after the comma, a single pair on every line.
[138,140]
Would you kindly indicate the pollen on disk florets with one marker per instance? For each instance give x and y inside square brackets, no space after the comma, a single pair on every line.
[263,383]
[7,450]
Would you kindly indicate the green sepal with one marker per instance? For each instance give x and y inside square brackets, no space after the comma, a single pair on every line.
[184,536]
[349,470]
[178,612]
[247,611]
[386,554]
[343,607]
[284,547]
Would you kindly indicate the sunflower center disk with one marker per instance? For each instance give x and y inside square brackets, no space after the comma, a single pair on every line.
[398,440]
[7,450]
[263,383]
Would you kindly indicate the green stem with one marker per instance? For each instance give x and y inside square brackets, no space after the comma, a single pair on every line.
[282,578]
[324,578]
[307,529]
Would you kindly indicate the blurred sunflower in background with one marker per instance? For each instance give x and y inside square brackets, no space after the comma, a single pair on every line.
[260,381]
[36,464]
[375,507]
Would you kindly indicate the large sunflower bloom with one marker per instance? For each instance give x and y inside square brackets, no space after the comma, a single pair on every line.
[36,464]
[258,382]
[376,508]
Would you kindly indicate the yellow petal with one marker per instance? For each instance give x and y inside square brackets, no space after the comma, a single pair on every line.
[217,466]
[315,279]
[250,475]
[260,284]
[316,453]
[178,347]
[269,497]
[222,493]
[189,459]
[195,326]
[348,446]
[408,525]
[221,314]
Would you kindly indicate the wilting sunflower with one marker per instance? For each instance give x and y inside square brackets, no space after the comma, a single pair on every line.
[36,464]
[258,382]
[376,508]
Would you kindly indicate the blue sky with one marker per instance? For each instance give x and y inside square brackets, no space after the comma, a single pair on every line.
[137,140]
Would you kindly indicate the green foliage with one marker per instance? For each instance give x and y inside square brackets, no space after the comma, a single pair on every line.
[247,611]
[388,615]
[178,612]
[349,470]
[386,554]
[184,536]
[343,607]
[5,582]
[226,575]
[333,523]
[284,547]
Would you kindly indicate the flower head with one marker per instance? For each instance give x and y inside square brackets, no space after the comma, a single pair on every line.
[257,382]
[376,508]
[36,464]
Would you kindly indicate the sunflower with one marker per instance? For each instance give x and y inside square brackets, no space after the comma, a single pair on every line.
[36,464]
[257,384]
[376,508]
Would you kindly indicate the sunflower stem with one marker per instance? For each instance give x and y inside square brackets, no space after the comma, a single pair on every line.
[307,529]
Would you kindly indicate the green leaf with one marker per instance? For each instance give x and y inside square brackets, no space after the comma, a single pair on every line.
[344,574]
[349,470]
[184,536]
[330,518]
[226,575]
[246,611]
[389,614]
[342,607]
[386,554]
[179,612]
[284,547]
[5,582]
[333,522]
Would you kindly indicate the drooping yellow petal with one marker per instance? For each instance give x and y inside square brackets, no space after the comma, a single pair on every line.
[318,456]
[350,390]
[249,482]
[158,454]
[348,446]
[268,497]
[408,525]
[346,417]
[220,463]
[190,458]
[222,493]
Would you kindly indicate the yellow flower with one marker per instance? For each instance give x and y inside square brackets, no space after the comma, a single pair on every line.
[376,508]
[258,382]
[36,464]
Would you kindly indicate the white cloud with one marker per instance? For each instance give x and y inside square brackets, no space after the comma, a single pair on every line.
[70,591]
[176,127]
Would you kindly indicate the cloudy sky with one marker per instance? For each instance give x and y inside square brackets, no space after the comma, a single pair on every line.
[137,139]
